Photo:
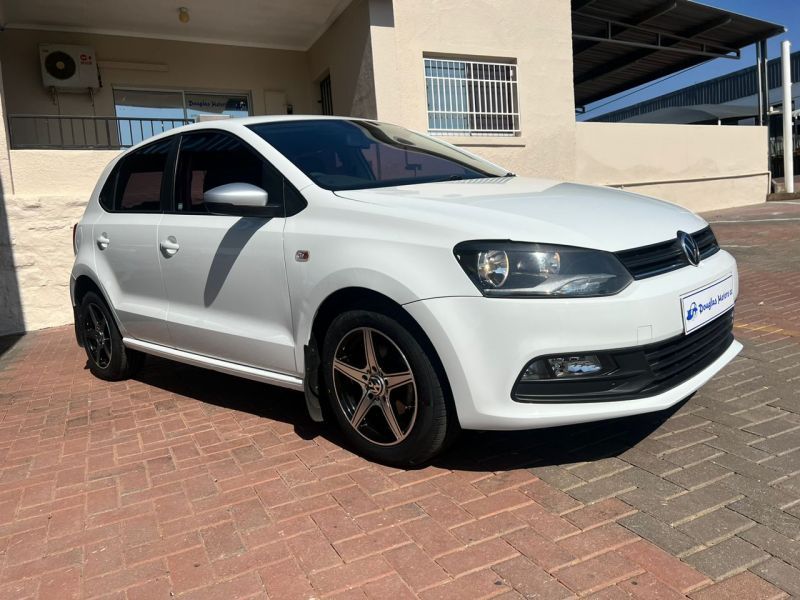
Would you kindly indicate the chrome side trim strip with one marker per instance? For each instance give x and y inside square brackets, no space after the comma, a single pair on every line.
[215,364]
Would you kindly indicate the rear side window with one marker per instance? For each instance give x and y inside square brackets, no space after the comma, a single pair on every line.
[107,193]
[140,177]
[210,159]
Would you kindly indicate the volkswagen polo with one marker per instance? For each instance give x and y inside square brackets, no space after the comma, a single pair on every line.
[406,286]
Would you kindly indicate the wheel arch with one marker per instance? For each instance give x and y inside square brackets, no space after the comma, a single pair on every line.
[357,298]
[83,284]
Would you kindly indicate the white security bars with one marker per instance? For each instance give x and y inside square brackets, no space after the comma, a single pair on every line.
[471,98]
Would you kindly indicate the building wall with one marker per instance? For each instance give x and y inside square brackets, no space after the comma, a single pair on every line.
[44,192]
[374,54]
[11,314]
[701,167]
[189,66]
[536,33]
[344,53]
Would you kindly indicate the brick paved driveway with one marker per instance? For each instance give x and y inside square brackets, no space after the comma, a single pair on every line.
[186,483]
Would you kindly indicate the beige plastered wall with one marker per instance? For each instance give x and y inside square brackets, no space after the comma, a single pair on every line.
[124,64]
[701,167]
[344,53]
[534,33]
[374,55]
[51,188]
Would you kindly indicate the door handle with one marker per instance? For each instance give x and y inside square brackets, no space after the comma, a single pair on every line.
[170,246]
[103,241]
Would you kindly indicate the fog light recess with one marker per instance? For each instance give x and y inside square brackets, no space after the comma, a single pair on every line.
[566,367]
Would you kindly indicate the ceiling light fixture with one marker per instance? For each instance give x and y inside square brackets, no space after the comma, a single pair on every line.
[183,14]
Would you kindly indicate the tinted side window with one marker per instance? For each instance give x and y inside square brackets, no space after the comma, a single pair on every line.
[210,159]
[107,192]
[140,177]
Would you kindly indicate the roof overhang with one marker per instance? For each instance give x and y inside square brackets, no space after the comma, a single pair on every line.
[621,44]
[280,24]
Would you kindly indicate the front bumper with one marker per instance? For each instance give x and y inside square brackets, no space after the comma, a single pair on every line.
[483,344]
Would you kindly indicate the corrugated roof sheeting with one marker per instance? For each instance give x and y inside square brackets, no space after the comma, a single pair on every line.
[620,44]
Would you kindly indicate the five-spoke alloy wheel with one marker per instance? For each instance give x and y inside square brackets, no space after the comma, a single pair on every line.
[375,386]
[383,388]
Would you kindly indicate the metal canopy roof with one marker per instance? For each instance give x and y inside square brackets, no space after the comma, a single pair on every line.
[620,44]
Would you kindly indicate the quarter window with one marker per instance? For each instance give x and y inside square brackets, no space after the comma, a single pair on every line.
[467,97]
[210,159]
[140,177]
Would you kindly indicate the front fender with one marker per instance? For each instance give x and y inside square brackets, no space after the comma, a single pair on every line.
[370,279]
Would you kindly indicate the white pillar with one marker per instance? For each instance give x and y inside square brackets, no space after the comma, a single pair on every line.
[788,146]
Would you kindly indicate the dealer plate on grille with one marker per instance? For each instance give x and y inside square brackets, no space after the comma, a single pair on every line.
[707,303]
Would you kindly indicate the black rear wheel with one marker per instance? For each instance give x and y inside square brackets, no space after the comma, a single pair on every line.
[108,357]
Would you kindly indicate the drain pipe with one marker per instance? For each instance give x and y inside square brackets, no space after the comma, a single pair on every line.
[788,146]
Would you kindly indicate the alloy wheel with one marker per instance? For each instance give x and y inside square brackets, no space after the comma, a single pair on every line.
[97,336]
[375,386]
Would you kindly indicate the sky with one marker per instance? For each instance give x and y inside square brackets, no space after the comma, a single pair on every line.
[782,12]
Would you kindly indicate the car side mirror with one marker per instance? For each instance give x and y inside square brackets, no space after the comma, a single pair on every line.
[240,199]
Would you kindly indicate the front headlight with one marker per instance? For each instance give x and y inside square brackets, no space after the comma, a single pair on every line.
[517,269]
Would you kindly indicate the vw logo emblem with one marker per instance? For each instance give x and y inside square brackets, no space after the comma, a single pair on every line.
[689,247]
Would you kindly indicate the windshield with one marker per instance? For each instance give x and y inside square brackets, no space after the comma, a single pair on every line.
[349,155]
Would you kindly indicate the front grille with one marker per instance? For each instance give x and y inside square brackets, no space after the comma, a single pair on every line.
[656,259]
[676,360]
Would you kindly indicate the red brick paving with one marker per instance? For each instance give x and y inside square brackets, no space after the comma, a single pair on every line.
[190,484]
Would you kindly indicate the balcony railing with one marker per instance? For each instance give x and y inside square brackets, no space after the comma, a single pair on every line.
[84,133]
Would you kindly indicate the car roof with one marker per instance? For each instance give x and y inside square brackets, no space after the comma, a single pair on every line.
[235,124]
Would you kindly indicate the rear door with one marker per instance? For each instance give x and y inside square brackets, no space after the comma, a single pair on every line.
[225,276]
[126,242]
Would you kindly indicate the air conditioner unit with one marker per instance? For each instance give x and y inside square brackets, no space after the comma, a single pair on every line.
[66,66]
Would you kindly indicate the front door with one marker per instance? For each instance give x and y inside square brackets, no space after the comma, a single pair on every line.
[126,242]
[225,276]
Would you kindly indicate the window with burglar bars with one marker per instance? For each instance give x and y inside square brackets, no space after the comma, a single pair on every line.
[471,98]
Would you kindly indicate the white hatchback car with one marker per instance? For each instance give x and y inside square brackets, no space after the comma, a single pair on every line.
[408,287]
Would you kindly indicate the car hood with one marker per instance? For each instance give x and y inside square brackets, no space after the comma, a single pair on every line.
[534,210]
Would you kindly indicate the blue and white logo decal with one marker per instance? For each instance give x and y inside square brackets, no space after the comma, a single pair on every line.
[707,303]
[692,312]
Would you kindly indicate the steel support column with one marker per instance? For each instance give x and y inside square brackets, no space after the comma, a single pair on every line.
[762,83]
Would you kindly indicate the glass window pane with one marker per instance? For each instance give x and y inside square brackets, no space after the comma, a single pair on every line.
[136,108]
[139,179]
[471,97]
[208,160]
[216,104]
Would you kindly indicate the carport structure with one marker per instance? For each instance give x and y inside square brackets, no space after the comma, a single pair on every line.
[621,44]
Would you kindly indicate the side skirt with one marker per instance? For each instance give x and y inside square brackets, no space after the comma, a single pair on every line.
[280,379]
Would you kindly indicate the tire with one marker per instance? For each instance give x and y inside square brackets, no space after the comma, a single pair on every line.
[399,378]
[108,358]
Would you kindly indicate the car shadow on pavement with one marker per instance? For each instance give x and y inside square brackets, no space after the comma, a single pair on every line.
[231,393]
[472,451]
[505,450]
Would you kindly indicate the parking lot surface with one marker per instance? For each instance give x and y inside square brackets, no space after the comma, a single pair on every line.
[191,484]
